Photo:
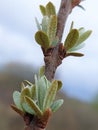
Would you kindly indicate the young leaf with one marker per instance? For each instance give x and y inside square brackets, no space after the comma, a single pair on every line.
[50,95]
[43,10]
[45,22]
[16,98]
[71,27]
[84,36]
[71,39]
[33,106]
[27,108]
[25,92]
[75,54]
[56,105]
[59,84]
[41,71]
[42,39]
[52,28]
[78,47]
[50,9]
[36,87]
[37,23]
[42,89]
[33,92]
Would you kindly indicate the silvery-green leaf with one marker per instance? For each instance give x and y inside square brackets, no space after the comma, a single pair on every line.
[71,39]
[42,39]
[78,47]
[81,31]
[84,36]
[27,108]
[41,71]
[50,9]
[50,95]
[45,22]
[71,27]
[33,92]
[16,98]
[33,106]
[42,89]
[55,41]
[75,54]
[56,105]
[43,10]
[36,87]
[38,24]
[16,109]
[52,28]
[25,92]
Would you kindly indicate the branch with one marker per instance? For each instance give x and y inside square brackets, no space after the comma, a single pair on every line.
[53,58]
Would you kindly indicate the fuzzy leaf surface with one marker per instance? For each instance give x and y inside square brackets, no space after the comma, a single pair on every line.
[50,9]
[84,36]
[43,10]
[16,98]
[52,28]
[50,95]
[33,106]
[56,105]
[71,39]
[42,39]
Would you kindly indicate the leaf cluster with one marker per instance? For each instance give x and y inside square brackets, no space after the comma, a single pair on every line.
[37,98]
[46,34]
[75,40]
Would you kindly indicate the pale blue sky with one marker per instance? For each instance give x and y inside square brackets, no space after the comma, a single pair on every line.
[17,28]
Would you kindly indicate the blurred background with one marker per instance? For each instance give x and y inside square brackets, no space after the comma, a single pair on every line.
[21,57]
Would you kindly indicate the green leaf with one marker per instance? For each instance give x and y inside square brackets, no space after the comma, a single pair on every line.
[36,87]
[45,22]
[16,98]
[33,92]
[42,89]
[55,41]
[71,27]
[84,36]
[37,23]
[50,95]
[52,28]
[43,10]
[27,108]
[42,39]
[33,106]
[59,84]
[71,39]
[50,9]
[75,54]
[56,105]
[78,47]
[25,92]
[41,71]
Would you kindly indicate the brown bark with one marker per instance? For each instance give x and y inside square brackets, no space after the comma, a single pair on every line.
[53,56]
